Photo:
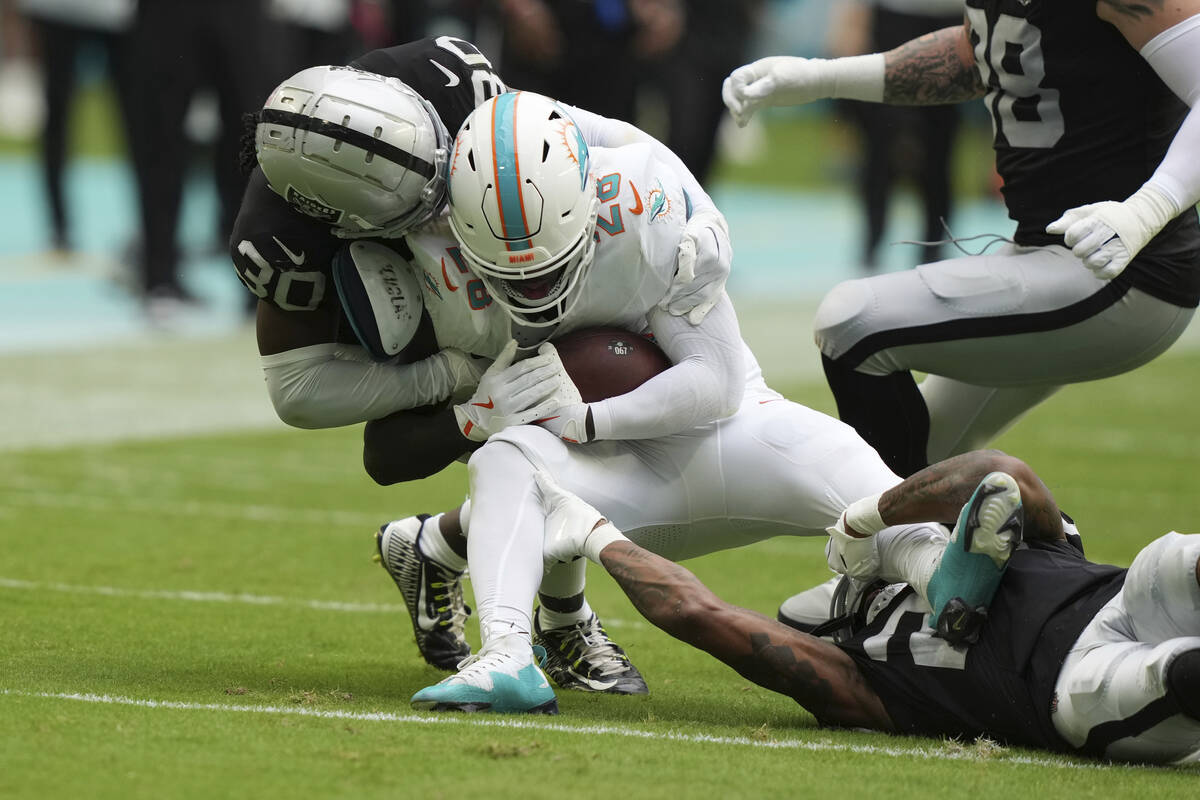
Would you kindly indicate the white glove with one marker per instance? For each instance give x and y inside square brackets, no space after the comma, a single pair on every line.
[1106,236]
[702,266]
[464,372]
[572,526]
[851,555]
[790,81]
[568,416]
[510,394]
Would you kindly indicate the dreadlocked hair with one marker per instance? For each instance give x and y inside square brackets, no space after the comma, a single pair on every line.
[247,157]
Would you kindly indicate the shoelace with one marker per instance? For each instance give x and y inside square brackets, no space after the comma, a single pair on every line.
[602,653]
[454,614]
[993,238]
[473,664]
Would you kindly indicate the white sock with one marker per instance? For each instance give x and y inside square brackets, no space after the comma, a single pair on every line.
[910,554]
[433,545]
[560,619]
[562,587]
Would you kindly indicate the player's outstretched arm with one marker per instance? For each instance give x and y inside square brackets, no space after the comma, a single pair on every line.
[934,69]
[939,492]
[816,674]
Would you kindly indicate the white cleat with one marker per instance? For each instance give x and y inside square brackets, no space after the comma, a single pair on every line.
[502,678]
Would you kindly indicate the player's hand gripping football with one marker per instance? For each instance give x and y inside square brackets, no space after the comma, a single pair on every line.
[702,266]
[510,394]
[775,81]
[569,415]
[1106,236]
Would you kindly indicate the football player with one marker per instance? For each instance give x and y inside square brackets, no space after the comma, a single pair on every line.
[702,456]
[1076,657]
[1111,181]
[1097,140]
[346,153]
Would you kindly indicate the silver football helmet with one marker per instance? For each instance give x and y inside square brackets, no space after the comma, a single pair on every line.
[360,151]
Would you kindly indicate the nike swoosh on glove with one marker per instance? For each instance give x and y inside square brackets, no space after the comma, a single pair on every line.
[1106,236]
[570,415]
[702,265]
[510,394]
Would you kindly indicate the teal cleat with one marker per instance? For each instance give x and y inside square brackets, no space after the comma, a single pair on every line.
[988,531]
[503,678]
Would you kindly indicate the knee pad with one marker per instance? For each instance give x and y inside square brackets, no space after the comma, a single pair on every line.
[1183,683]
[834,325]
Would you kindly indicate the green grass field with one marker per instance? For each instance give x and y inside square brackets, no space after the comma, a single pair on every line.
[200,617]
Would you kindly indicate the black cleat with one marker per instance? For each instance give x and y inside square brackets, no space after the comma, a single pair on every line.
[432,593]
[959,624]
[582,657]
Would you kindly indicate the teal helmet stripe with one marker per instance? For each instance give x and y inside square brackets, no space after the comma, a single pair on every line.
[515,228]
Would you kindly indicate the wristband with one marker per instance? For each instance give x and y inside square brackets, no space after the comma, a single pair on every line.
[857,77]
[863,515]
[604,535]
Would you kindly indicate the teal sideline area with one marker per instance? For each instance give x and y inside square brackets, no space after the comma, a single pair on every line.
[788,245]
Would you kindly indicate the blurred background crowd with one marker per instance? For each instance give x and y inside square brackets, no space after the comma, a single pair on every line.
[154,90]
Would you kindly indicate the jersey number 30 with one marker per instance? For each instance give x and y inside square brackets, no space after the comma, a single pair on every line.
[1013,67]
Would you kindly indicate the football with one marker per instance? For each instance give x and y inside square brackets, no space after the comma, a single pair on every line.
[606,362]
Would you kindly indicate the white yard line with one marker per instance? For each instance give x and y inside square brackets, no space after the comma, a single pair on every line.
[201,597]
[243,598]
[949,753]
[191,508]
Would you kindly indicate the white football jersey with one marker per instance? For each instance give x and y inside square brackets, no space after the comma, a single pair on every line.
[643,209]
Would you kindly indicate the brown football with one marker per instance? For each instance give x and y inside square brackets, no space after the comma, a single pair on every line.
[606,362]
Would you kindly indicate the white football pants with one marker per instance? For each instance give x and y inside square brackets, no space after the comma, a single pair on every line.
[772,468]
[1117,668]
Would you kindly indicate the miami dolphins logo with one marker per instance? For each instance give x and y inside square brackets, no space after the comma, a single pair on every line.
[659,202]
[431,285]
[577,149]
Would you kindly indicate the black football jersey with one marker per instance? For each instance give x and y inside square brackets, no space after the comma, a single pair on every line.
[1003,685]
[1078,117]
[283,256]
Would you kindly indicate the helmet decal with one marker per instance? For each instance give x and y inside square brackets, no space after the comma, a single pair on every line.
[513,219]
[312,207]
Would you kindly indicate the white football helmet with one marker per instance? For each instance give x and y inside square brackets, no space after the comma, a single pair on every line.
[360,151]
[523,205]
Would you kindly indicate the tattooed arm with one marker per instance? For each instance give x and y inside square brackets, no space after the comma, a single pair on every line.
[816,674]
[934,69]
[939,492]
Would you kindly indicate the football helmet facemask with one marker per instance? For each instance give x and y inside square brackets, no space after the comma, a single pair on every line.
[360,151]
[523,205]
